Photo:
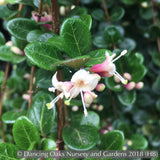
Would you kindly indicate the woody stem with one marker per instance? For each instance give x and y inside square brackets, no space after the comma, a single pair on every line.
[106,11]
[56,27]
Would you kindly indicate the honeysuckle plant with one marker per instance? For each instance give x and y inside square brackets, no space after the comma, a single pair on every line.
[79,75]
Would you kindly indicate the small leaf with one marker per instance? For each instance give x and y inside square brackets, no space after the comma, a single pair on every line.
[111,34]
[20,27]
[33,35]
[11,116]
[43,54]
[98,14]
[24,133]
[146,13]
[46,36]
[99,42]
[112,85]
[127,97]
[138,142]
[91,120]
[2,39]
[112,140]
[117,13]
[80,138]
[76,37]
[129,2]
[8,151]
[156,58]
[87,19]
[7,55]
[48,144]
[39,114]
[128,44]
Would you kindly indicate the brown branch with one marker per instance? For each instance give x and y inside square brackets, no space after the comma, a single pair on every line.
[56,28]
[154,22]
[30,91]
[1,98]
[66,116]
[106,11]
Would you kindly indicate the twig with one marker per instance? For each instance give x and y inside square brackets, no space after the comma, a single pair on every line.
[56,27]
[106,11]
[154,22]
[1,98]
[66,116]
[30,91]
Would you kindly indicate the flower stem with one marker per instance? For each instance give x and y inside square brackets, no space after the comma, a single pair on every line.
[106,11]
[56,28]
[30,91]
[1,99]
[154,22]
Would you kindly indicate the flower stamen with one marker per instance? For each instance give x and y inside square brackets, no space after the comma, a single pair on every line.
[122,54]
[85,110]
[124,81]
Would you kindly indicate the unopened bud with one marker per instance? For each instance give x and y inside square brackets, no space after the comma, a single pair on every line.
[100,107]
[100,87]
[26,96]
[144,4]
[127,76]
[139,85]
[88,98]
[94,106]
[27,76]
[124,148]
[130,86]
[62,10]
[9,43]
[116,79]
[16,50]
[75,108]
[103,131]
[129,143]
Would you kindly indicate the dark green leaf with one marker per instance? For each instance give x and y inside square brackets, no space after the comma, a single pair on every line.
[138,142]
[112,85]
[127,97]
[76,37]
[156,85]
[135,58]
[111,34]
[117,13]
[2,39]
[87,19]
[146,13]
[8,151]
[33,35]
[1,77]
[112,140]
[7,55]
[91,120]
[98,14]
[20,27]
[46,36]
[154,32]
[43,54]
[158,105]
[39,114]
[77,11]
[24,133]
[128,44]
[48,144]
[11,116]
[99,42]
[156,58]
[129,2]
[80,138]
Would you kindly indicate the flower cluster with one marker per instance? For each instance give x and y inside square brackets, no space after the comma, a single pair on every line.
[83,82]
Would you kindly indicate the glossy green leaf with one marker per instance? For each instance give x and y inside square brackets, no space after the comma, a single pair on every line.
[135,58]
[12,1]
[91,120]
[111,34]
[156,58]
[1,77]
[117,13]
[20,27]
[145,13]
[77,11]
[87,19]
[97,56]
[80,138]
[112,140]
[127,97]
[156,85]
[99,42]
[138,142]
[8,151]
[33,35]
[2,39]
[48,144]
[76,37]
[11,116]
[128,44]
[39,114]
[46,36]
[98,14]
[7,55]
[129,2]
[112,85]
[43,54]
[154,32]
[24,133]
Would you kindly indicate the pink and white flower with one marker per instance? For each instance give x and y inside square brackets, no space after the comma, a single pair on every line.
[108,68]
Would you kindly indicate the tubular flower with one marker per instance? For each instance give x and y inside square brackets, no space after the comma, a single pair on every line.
[64,87]
[108,68]
[44,18]
[82,81]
